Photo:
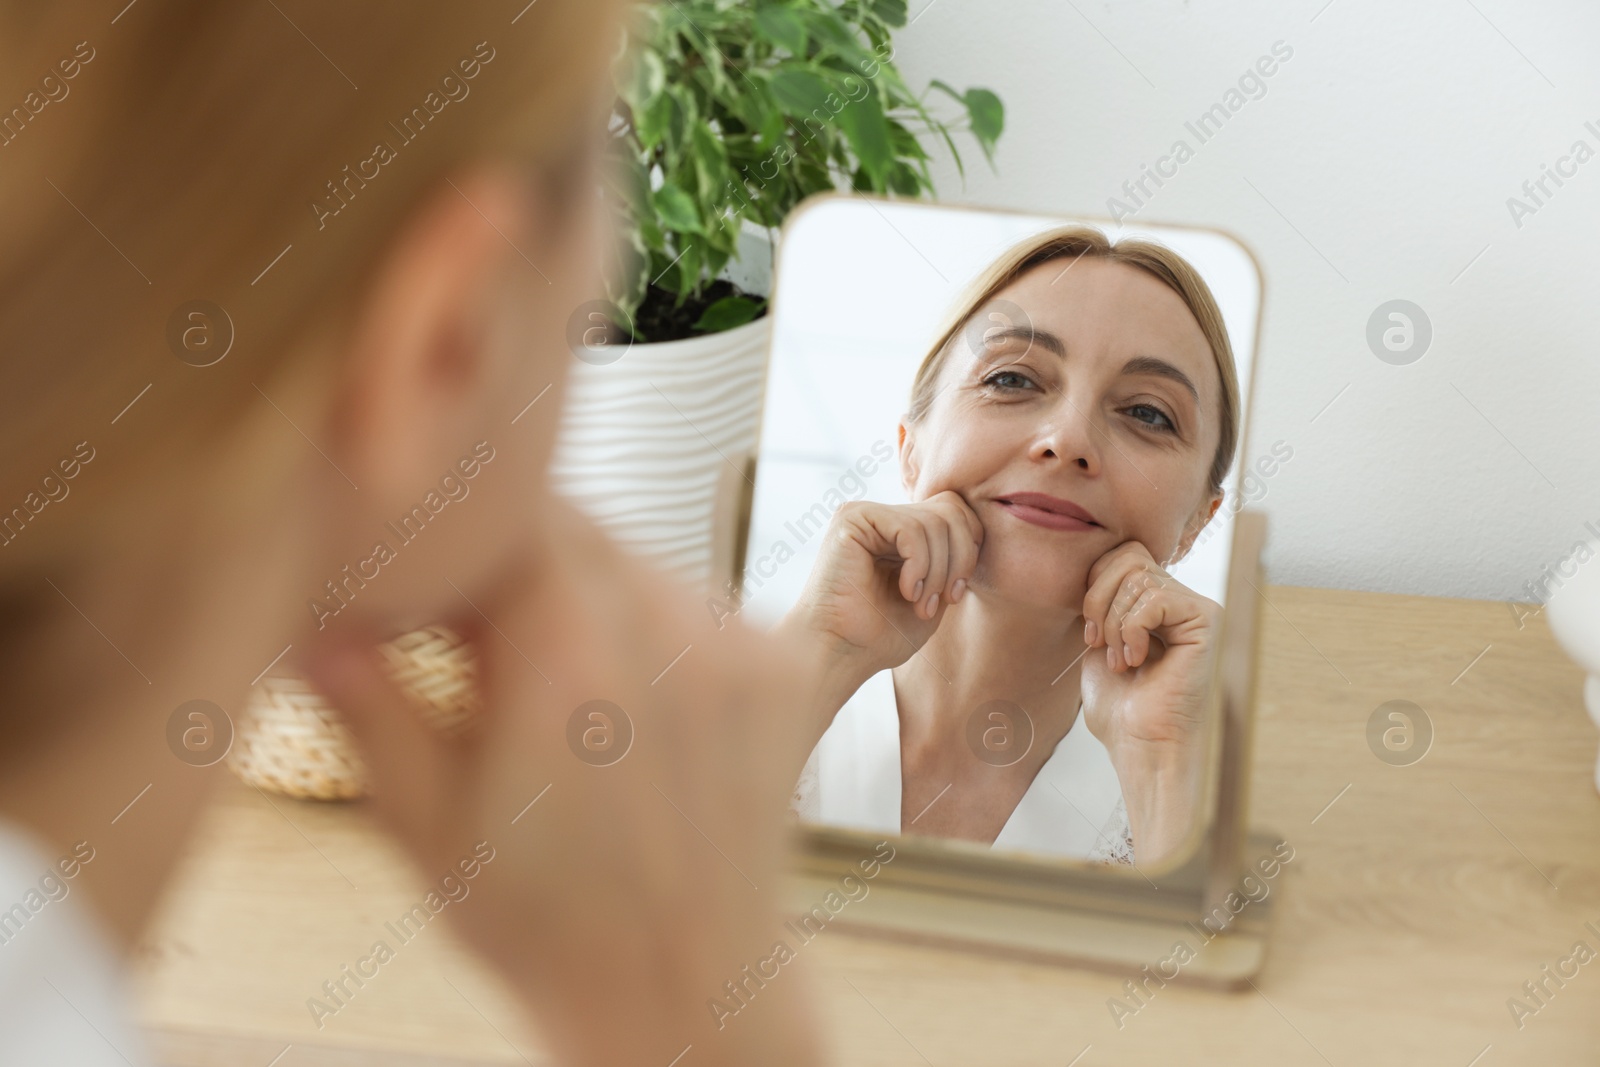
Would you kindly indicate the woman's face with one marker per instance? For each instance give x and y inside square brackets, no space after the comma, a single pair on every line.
[1071,382]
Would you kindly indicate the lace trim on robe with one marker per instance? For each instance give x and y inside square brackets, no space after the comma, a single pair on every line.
[1115,840]
[806,800]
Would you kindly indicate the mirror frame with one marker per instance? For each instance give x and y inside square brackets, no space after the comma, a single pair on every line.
[1060,909]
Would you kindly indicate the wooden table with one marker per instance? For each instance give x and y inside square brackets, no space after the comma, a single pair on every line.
[1419,901]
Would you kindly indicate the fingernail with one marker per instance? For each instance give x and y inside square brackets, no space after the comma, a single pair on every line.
[957,589]
[933,604]
[1111,657]
[916,594]
[1091,633]
[1127,654]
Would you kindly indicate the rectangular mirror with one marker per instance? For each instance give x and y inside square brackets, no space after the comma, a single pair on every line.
[1062,404]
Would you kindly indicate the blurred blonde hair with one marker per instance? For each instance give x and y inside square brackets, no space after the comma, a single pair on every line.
[188,156]
[1070,242]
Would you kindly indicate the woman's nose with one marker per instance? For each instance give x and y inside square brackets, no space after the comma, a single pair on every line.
[1069,432]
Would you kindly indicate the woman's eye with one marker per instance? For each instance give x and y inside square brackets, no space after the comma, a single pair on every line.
[1160,421]
[1008,380]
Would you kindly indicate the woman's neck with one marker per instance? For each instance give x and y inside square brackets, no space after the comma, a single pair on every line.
[987,649]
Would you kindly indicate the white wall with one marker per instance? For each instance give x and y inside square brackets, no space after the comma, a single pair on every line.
[1376,166]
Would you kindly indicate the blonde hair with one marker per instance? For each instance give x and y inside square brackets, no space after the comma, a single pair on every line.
[229,152]
[1072,242]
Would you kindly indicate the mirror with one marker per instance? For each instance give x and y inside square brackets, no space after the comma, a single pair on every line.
[1085,379]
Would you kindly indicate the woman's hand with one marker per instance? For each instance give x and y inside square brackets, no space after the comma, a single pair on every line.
[623,893]
[880,585]
[1146,696]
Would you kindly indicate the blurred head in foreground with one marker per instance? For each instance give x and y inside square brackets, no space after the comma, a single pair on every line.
[278,280]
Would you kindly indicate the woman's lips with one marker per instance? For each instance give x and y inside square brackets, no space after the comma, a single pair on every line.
[1051,512]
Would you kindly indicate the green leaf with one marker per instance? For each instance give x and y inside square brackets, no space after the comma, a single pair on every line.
[866,128]
[904,142]
[673,272]
[682,120]
[813,175]
[720,236]
[627,177]
[687,277]
[894,88]
[676,209]
[784,27]
[716,259]
[649,78]
[750,112]
[692,31]
[677,271]
[892,12]
[710,160]
[904,180]
[834,34]
[727,313]
[650,235]
[988,118]
[771,128]
[799,92]
[652,123]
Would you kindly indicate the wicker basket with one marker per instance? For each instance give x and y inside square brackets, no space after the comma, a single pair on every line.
[292,741]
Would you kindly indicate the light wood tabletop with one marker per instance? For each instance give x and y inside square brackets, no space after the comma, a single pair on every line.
[1419,901]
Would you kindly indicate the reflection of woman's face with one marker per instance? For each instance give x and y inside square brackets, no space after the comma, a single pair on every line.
[1087,406]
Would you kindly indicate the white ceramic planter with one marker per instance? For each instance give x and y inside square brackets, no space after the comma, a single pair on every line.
[645,441]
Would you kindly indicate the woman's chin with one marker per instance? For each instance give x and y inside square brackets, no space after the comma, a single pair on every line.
[1024,582]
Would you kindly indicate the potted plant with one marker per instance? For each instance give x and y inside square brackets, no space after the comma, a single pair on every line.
[732,113]
[728,114]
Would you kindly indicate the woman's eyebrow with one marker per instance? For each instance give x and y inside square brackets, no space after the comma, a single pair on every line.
[1047,340]
[1160,368]
[1030,334]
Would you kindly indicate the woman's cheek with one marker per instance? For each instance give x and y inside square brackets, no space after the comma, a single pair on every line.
[1150,521]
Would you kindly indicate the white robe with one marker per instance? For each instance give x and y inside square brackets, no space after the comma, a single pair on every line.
[1073,807]
[63,995]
